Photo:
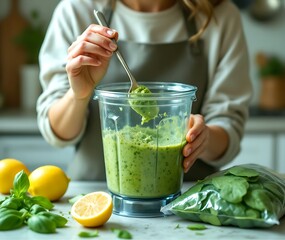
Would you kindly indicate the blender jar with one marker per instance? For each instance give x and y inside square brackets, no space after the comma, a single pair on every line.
[143,159]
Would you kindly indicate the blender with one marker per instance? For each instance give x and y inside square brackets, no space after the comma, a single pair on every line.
[143,159]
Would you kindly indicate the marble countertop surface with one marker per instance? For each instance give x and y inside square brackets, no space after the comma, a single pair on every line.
[164,228]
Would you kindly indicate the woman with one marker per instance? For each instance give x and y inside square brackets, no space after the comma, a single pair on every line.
[195,42]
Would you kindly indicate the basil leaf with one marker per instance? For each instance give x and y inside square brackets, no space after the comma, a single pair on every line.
[21,184]
[36,208]
[12,203]
[42,201]
[41,224]
[124,234]
[88,234]
[10,221]
[59,221]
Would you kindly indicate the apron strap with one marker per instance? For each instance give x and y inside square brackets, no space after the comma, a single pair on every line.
[196,47]
[108,13]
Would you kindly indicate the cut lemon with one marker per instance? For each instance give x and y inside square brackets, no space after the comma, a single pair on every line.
[93,209]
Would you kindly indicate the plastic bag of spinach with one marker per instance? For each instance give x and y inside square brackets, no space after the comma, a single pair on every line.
[246,196]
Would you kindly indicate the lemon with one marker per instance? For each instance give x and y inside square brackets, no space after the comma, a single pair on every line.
[93,209]
[48,181]
[9,167]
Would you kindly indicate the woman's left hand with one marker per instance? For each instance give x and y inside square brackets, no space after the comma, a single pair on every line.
[197,139]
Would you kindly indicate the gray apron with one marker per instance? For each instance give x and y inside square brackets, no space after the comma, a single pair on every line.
[182,62]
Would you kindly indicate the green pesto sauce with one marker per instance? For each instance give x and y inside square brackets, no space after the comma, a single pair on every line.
[148,109]
[144,162]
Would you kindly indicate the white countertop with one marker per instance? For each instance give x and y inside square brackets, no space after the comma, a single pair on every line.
[163,228]
[22,122]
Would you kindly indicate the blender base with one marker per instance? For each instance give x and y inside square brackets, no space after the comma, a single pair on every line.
[139,207]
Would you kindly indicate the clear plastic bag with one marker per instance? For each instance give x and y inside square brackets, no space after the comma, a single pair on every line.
[246,196]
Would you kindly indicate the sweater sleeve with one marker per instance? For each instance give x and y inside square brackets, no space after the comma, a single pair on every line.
[229,90]
[52,58]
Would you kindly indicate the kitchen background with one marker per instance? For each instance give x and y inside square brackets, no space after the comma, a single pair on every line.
[264,140]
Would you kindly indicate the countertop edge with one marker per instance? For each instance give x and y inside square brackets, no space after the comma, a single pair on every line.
[14,122]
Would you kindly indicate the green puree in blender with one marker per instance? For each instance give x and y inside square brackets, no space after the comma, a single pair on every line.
[144,162]
[148,109]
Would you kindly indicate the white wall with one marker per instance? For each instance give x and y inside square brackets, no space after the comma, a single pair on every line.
[268,37]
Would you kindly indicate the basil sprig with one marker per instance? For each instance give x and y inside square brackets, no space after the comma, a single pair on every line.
[20,209]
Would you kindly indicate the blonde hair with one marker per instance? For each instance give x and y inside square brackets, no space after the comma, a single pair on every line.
[206,7]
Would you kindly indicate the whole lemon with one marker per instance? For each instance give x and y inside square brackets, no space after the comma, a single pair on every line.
[48,181]
[9,167]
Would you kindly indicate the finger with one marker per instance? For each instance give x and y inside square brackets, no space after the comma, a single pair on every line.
[191,120]
[187,164]
[187,150]
[100,35]
[76,63]
[201,139]
[190,160]
[97,35]
[87,48]
[196,126]
[104,31]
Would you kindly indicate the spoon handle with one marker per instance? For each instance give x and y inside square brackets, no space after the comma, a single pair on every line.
[102,21]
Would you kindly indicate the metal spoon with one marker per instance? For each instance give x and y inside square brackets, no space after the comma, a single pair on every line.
[102,21]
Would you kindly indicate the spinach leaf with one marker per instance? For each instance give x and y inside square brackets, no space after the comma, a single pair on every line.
[232,188]
[122,233]
[197,227]
[243,172]
[245,196]
[88,234]
[258,199]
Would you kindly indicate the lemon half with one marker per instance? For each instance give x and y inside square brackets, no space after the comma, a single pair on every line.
[93,209]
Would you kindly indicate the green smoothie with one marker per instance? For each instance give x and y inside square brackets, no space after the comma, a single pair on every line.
[143,162]
[148,109]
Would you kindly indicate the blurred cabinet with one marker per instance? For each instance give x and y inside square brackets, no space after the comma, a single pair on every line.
[34,151]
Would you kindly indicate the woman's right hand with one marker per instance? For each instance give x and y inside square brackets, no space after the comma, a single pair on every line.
[88,59]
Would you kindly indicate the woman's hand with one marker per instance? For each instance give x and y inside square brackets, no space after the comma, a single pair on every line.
[197,141]
[207,142]
[88,59]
